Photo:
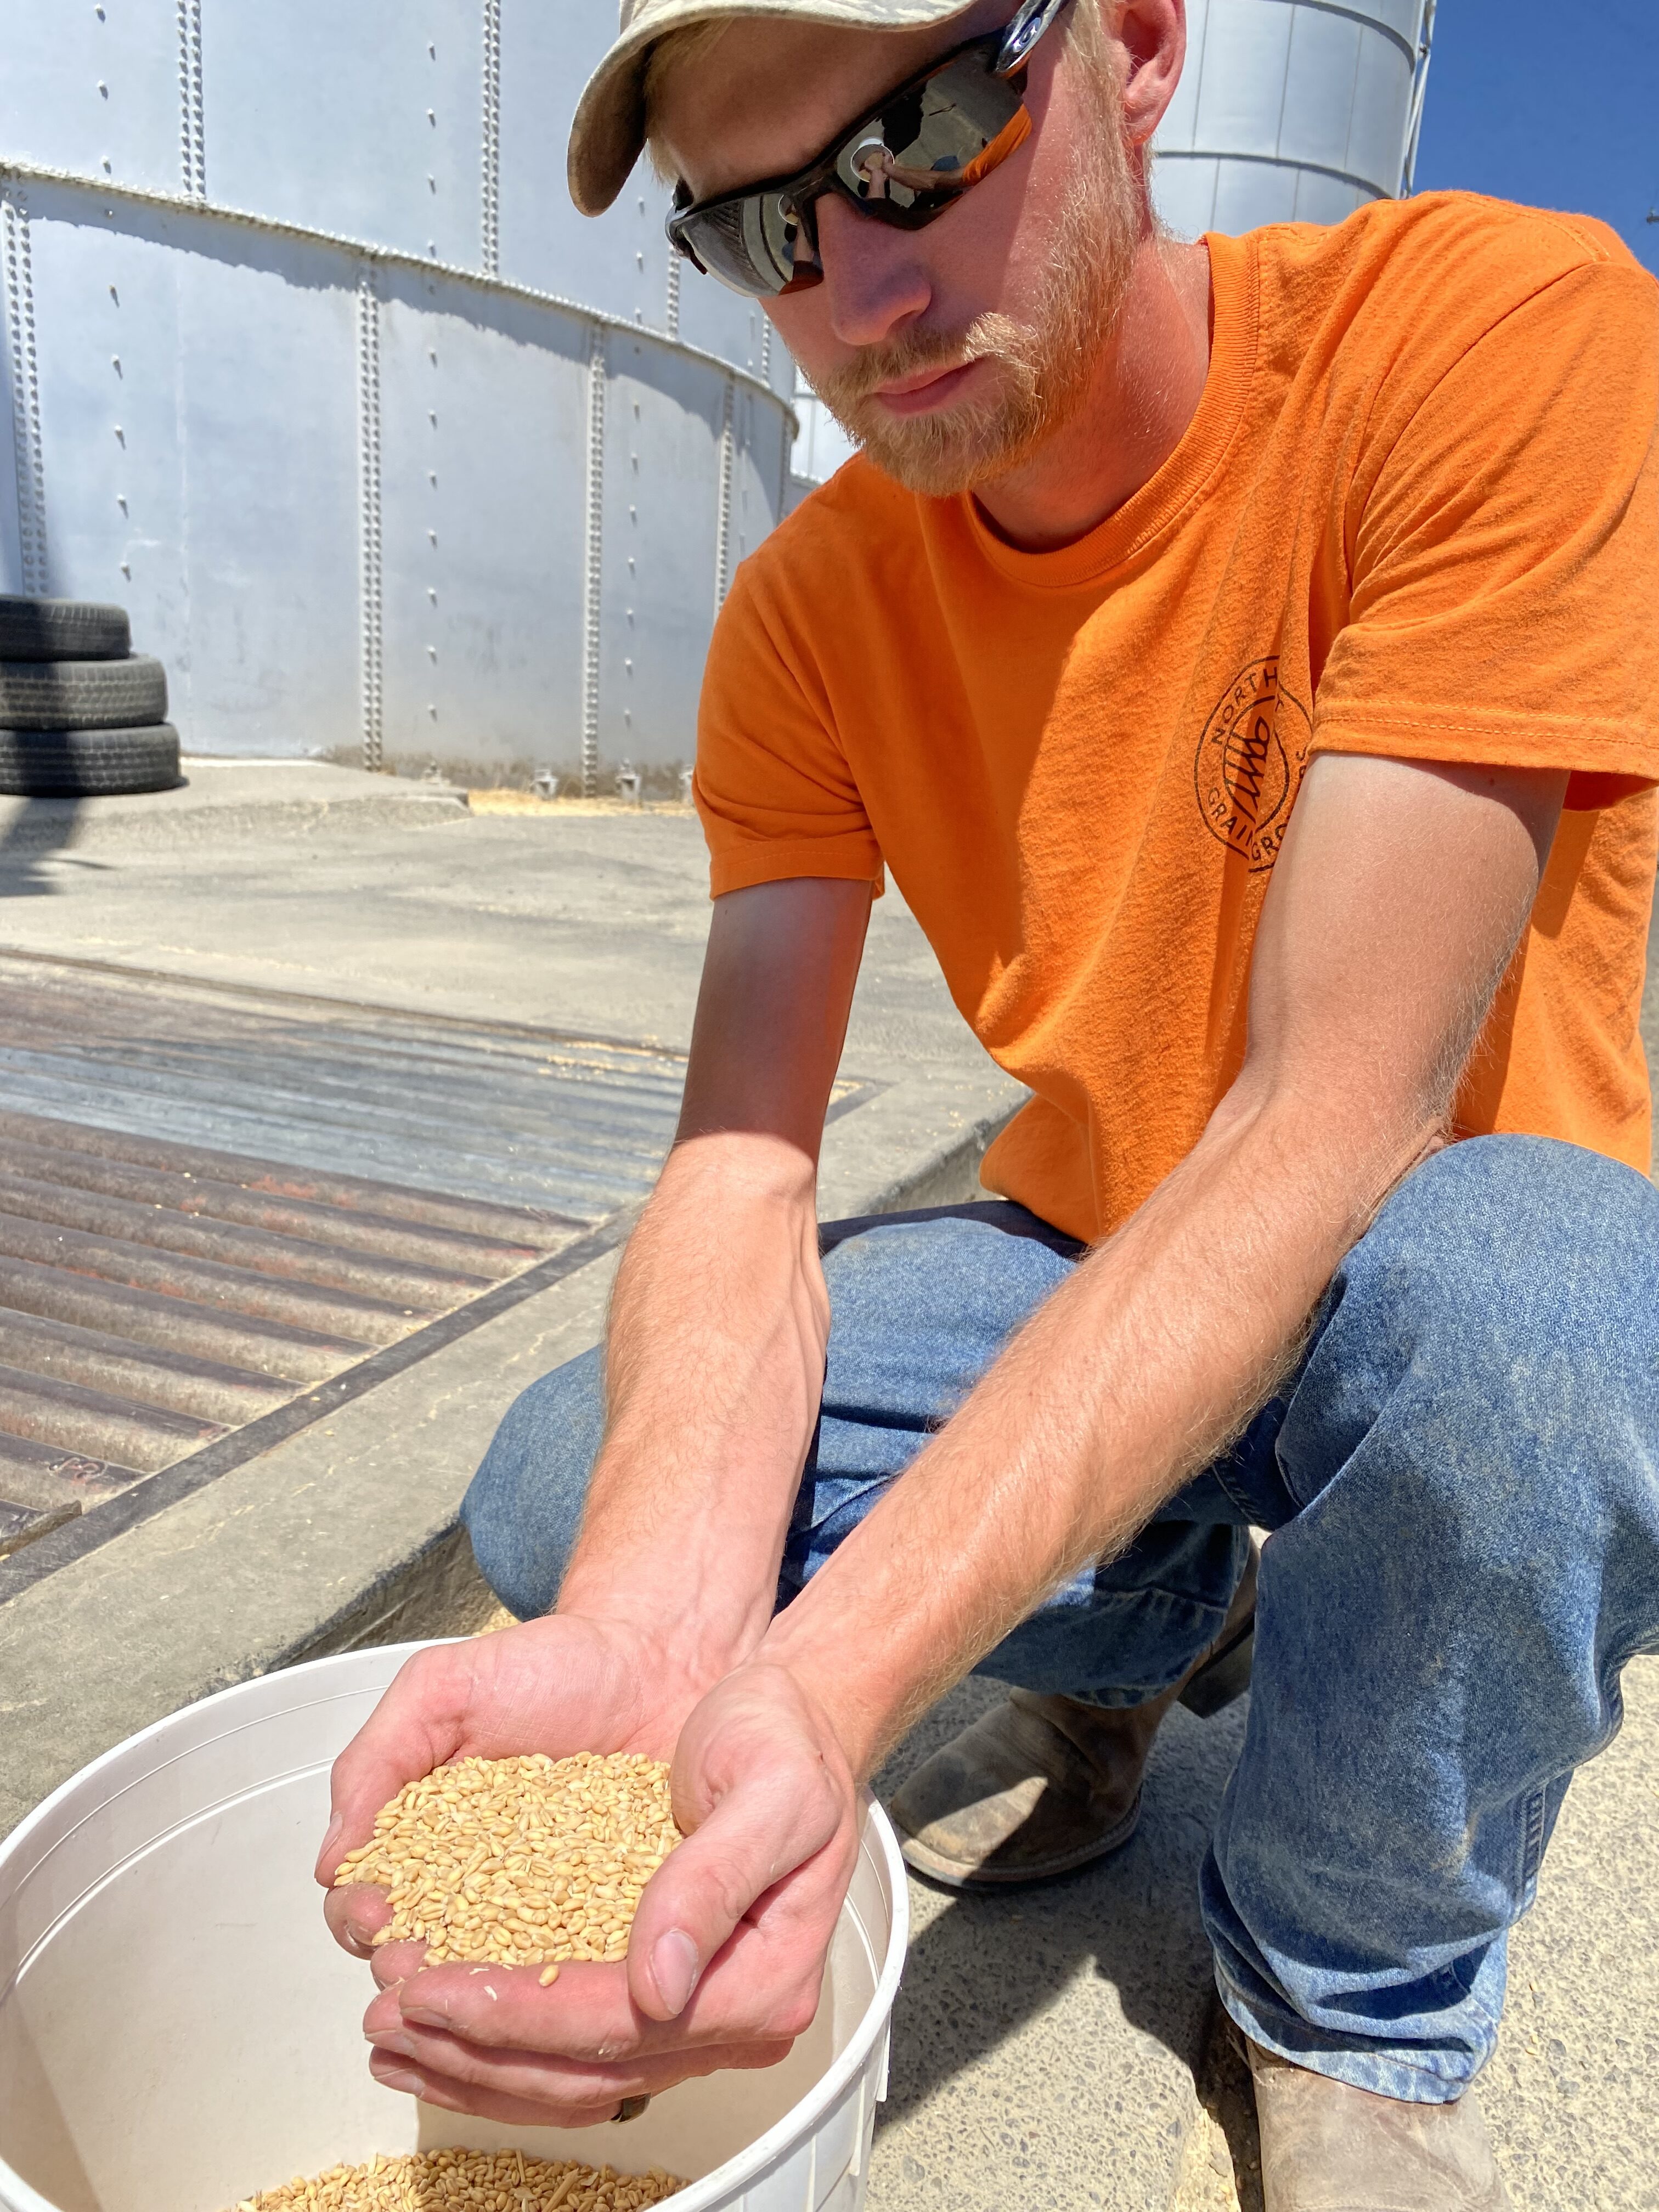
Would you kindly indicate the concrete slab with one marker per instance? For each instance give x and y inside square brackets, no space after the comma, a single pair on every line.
[218,799]
[298,878]
[579,918]
[1045,2041]
[1569,2093]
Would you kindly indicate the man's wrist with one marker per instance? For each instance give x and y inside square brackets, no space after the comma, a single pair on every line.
[700,1634]
[862,1723]
[686,1557]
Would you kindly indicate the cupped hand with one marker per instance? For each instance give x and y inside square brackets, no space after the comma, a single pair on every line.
[558,1686]
[727,1956]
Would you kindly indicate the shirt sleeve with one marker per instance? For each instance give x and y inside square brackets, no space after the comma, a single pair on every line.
[1503,544]
[773,787]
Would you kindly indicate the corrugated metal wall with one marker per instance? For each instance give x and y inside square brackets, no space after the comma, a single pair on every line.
[309,362]
[1290,111]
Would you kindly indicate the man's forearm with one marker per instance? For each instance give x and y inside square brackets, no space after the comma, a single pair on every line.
[720,1319]
[714,1364]
[1396,905]
[1132,1376]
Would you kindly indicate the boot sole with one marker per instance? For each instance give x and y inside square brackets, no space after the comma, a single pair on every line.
[950,1874]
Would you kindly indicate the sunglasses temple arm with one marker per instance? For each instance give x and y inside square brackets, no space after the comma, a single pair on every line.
[1028,24]
[679,245]
[807,217]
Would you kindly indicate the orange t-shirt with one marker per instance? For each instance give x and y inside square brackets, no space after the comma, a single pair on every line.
[1417,512]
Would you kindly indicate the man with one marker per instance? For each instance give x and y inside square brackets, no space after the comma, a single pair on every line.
[1243,656]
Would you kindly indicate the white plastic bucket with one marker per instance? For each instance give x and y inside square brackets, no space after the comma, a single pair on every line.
[178,2030]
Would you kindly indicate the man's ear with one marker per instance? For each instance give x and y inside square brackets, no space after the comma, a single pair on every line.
[1153,36]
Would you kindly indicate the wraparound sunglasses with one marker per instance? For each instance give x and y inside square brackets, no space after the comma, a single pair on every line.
[911,157]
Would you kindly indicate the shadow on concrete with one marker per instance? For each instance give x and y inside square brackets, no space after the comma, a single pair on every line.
[984,1969]
[36,831]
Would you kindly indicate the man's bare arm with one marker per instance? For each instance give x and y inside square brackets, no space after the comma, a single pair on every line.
[1395,906]
[719,1318]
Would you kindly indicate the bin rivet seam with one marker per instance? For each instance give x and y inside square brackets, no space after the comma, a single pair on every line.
[723,520]
[191,134]
[491,198]
[26,448]
[368,461]
[592,562]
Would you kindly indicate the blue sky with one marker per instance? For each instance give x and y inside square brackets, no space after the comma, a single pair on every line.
[1552,101]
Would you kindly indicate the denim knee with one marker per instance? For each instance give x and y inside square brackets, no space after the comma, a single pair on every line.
[1493,1341]
[1523,1252]
[523,1507]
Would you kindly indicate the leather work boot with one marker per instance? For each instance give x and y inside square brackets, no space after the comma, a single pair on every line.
[1040,1784]
[1328,2147]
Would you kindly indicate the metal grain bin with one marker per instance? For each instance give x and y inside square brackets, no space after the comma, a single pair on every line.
[1292,111]
[308,360]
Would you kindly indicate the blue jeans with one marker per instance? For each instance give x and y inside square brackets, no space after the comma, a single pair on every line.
[1462,1484]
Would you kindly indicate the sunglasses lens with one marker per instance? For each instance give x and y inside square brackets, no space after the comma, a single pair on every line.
[933,141]
[748,243]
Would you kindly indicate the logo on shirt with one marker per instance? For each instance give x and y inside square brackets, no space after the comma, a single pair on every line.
[1249,762]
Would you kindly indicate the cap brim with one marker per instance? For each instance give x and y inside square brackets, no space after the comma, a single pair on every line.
[608,132]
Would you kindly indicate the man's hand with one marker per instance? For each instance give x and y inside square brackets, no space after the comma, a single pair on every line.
[725,1962]
[558,1686]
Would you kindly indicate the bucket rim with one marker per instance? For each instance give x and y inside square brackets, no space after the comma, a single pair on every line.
[737,2174]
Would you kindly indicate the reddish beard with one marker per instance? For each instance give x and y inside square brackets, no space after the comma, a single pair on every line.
[1039,368]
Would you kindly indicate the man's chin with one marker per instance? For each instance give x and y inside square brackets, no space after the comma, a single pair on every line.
[937,459]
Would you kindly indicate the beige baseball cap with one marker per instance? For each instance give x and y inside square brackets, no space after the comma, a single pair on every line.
[609,131]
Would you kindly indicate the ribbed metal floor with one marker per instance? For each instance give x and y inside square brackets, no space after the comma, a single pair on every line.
[156,1297]
[523,1116]
[222,1212]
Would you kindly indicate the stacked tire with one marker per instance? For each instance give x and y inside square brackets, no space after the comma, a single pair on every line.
[82,714]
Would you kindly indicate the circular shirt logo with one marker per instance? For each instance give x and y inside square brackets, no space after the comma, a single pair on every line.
[1249,762]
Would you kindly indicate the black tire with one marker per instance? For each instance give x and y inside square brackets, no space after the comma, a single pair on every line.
[89,764]
[63,629]
[83,695]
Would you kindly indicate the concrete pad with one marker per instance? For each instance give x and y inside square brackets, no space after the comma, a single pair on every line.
[220,799]
[1045,2040]
[1569,2095]
[585,920]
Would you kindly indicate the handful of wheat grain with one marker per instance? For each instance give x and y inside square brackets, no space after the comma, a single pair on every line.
[519,1862]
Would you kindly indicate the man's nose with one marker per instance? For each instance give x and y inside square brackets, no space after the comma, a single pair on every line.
[874,279]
